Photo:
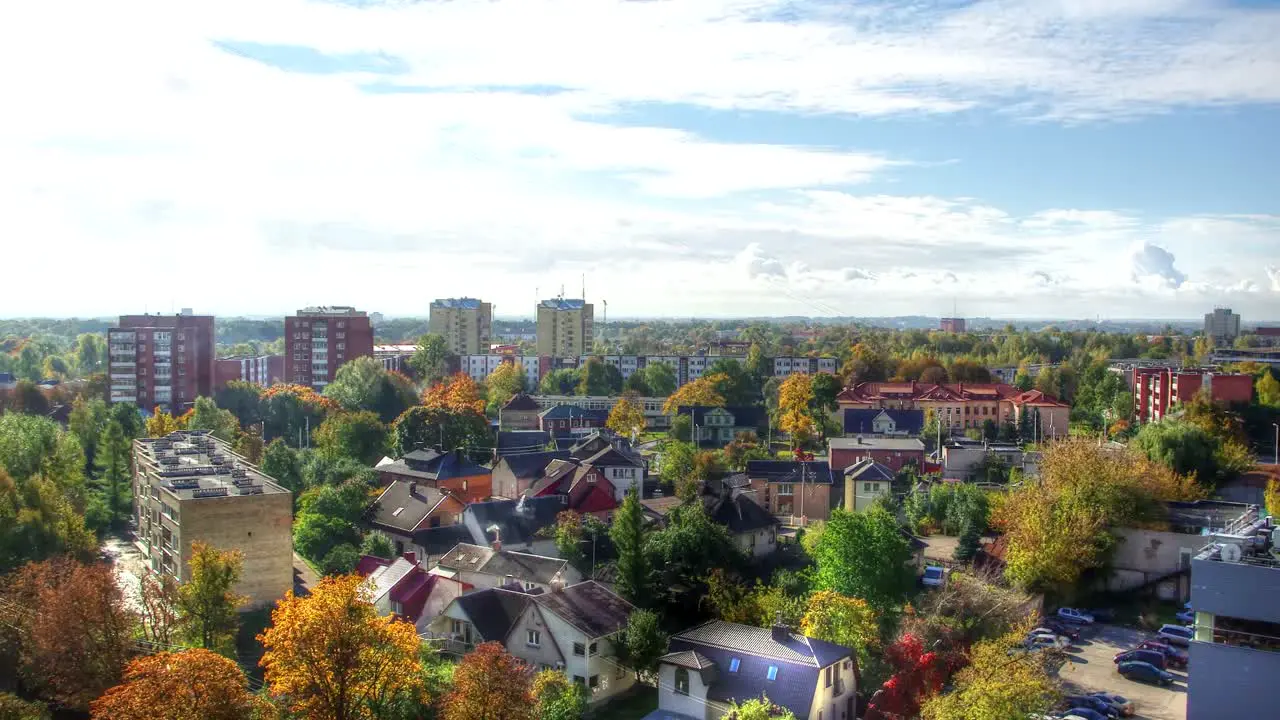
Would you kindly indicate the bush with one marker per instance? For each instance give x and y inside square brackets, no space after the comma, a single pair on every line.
[341,560]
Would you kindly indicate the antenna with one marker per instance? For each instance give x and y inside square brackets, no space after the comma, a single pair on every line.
[584,287]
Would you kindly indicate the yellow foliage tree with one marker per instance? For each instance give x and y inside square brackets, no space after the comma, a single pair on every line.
[997,686]
[842,620]
[331,657]
[696,392]
[795,414]
[625,418]
[1272,497]
[162,423]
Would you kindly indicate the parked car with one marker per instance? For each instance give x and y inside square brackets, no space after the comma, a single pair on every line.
[1119,702]
[1176,635]
[1062,628]
[1086,713]
[1177,658]
[1073,615]
[1186,616]
[1144,672]
[1094,703]
[1154,657]
[934,576]
[1038,642]
[1051,631]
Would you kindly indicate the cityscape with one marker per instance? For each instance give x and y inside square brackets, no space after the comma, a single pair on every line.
[617,360]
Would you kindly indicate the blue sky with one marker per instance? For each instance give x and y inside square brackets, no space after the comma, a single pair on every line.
[703,157]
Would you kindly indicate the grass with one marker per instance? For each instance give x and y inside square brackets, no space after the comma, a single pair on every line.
[637,703]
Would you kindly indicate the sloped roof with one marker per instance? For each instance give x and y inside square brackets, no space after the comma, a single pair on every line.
[434,465]
[787,471]
[532,465]
[440,540]
[743,415]
[521,441]
[741,514]
[403,510]
[862,420]
[519,520]
[521,401]
[613,457]
[493,611]
[690,659]
[588,606]
[569,412]
[868,469]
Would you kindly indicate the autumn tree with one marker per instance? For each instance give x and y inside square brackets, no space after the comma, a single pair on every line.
[490,684]
[629,535]
[556,698]
[158,604]
[760,708]
[864,555]
[846,621]
[289,411]
[1268,389]
[458,393]
[700,392]
[1272,497]
[625,418]
[193,684]
[162,423]
[795,413]
[996,685]
[330,655]
[207,603]
[503,383]
[918,674]
[78,642]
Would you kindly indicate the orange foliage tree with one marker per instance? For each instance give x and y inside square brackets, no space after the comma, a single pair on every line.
[490,684]
[696,392]
[77,641]
[189,685]
[457,394]
[330,656]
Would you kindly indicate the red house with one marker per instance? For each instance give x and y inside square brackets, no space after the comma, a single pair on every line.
[585,488]
[892,452]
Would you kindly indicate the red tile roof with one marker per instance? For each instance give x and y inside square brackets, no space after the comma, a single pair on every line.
[871,392]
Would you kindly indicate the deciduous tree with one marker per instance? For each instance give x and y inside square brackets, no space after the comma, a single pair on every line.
[431,358]
[458,394]
[795,414]
[207,603]
[625,418]
[13,707]
[241,399]
[503,383]
[158,609]
[864,555]
[330,655]
[490,684]
[660,378]
[281,462]
[162,423]
[629,535]
[700,392]
[356,435]
[918,674]
[997,686]
[422,427]
[556,698]
[206,415]
[760,708]
[846,621]
[377,545]
[643,643]
[193,684]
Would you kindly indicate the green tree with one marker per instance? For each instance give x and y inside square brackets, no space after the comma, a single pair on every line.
[559,382]
[113,472]
[86,422]
[760,708]
[206,415]
[421,427]
[341,560]
[643,643]
[690,547]
[90,353]
[629,534]
[677,465]
[635,383]
[556,698]
[660,378]
[377,545]
[431,359]
[503,384]
[241,399]
[38,522]
[129,418]
[316,535]
[864,555]
[356,435]
[592,379]
[733,382]
[208,607]
[1183,447]
[568,537]
[364,385]
[1268,389]
[825,389]
[281,462]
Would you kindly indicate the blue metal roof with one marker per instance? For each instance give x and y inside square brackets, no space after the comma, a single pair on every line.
[563,304]
[463,303]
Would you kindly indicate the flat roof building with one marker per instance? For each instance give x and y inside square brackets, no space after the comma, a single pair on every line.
[464,323]
[164,361]
[565,327]
[319,340]
[189,486]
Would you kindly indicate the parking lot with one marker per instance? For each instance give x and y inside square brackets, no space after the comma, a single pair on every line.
[1091,669]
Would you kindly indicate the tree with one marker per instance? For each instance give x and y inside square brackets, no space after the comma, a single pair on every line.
[1268,389]
[555,698]
[996,686]
[1022,379]
[559,382]
[1183,447]
[331,656]
[77,644]
[760,708]
[241,399]
[90,352]
[290,411]
[732,382]
[690,547]
[162,423]
[431,358]
[315,535]
[190,685]
[636,385]
[625,418]
[503,383]
[568,537]
[37,521]
[592,379]
[699,393]
[864,555]
[629,535]
[113,471]
[13,707]
[643,643]
[677,465]
[207,604]
[364,385]
[795,416]
[659,378]
[422,427]
[681,429]
[744,448]
[970,542]
[158,608]
[377,545]
[248,443]
[356,435]
[845,621]
[489,684]
[340,560]
[129,418]
[458,394]
[281,462]
[86,422]
[825,388]
[206,415]
[28,398]
[918,674]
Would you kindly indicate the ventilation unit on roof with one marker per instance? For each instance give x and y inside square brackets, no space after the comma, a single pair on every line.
[184,484]
[209,492]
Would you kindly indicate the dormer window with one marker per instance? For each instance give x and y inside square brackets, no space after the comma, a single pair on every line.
[682,681]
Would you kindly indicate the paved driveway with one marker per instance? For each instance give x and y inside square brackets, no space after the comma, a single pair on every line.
[1091,669]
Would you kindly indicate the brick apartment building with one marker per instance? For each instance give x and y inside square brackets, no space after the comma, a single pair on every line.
[190,486]
[264,370]
[1157,390]
[164,361]
[951,325]
[961,406]
[318,340]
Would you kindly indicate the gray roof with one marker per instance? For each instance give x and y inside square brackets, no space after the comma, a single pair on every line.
[195,465]
[860,420]
[532,465]
[493,611]
[431,464]
[876,443]
[464,303]
[787,471]
[760,642]
[503,563]
[518,520]
[589,607]
[521,441]
[399,509]
[748,416]
[868,469]
[691,659]
[740,513]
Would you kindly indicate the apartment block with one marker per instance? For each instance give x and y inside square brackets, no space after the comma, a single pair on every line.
[318,340]
[1235,653]
[1222,325]
[565,327]
[951,325]
[264,370]
[189,486]
[164,361]
[784,366]
[1158,391]
[464,323]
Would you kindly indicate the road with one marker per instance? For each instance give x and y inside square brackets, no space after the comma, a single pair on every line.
[1091,669]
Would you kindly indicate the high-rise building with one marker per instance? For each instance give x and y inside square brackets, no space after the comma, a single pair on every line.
[951,325]
[1222,325]
[564,327]
[318,340]
[164,361]
[464,323]
[188,487]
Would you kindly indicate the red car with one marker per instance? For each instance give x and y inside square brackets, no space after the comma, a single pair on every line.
[1177,658]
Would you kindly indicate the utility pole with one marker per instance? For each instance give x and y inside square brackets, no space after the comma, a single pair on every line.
[1277,446]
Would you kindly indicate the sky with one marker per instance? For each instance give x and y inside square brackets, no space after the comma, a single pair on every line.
[709,158]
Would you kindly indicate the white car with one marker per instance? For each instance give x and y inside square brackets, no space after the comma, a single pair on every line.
[1176,635]
[1038,642]
[1075,616]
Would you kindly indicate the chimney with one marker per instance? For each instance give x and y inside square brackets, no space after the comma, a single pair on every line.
[850,502]
[411,556]
[781,633]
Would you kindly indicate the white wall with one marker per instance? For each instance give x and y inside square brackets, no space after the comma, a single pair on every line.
[766,541]
[825,699]
[695,704]
[603,664]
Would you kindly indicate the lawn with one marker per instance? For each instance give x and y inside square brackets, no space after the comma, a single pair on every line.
[634,705]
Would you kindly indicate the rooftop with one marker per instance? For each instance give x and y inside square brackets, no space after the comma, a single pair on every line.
[194,465]
[876,443]
[404,505]
[1211,515]
[789,471]
[503,563]
[331,310]
[432,464]
[760,642]
[562,304]
[463,303]
[589,607]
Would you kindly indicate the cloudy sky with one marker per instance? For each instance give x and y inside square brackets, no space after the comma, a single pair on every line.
[1065,158]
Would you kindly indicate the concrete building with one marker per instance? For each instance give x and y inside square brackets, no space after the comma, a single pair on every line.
[784,366]
[794,492]
[263,370]
[1222,325]
[480,367]
[1235,581]
[565,327]
[164,361]
[951,325]
[190,486]
[1158,391]
[464,323]
[961,406]
[395,357]
[318,340]
[962,459]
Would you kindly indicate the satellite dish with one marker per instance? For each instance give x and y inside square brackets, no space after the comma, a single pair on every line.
[1231,553]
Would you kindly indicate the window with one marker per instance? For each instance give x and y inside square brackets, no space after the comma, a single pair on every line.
[534,639]
[786,488]
[682,681]
[734,664]
[594,683]
[773,672]
[579,649]
[866,487]
[593,650]
[827,680]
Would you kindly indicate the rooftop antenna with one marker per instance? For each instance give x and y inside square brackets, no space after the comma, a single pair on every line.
[584,287]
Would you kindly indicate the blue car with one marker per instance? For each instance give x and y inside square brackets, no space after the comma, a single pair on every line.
[1096,704]
[1086,713]
[1144,672]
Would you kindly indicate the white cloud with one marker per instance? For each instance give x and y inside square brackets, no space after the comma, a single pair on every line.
[1273,275]
[1152,261]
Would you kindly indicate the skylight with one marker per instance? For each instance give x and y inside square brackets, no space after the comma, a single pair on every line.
[733,664]
[773,672]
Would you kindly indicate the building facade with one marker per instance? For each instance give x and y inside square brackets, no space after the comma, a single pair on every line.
[951,325]
[892,452]
[565,327]
[1158,391]
[164,361]
[318,340]
[1222,325]
[263,370]
[189,487]
[961,406]
[464,323]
